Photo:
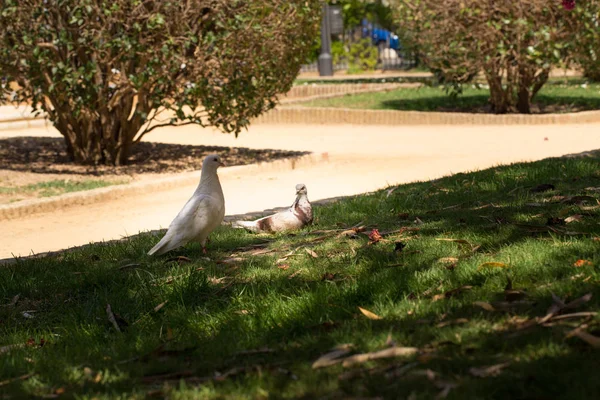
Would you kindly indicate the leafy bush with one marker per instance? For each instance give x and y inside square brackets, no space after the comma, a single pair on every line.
[107,73]
[586,37]
[514,43]
[362,56]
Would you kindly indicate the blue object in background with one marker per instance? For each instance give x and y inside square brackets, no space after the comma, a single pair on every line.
[379,35]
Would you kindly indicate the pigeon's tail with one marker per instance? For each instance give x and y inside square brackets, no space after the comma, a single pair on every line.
[250,225]
[165,244]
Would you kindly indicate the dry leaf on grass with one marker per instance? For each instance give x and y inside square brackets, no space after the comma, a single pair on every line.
[451,293]
[492,265]
[573,218]
[392,352]
[491,370]
[590,339]
[582,263]
[111,318]
[369,314]
[283,267]
[161,305]
[14,301]
[448,260]
[333,357]
[452,322]
[312,253]
[375,236]
[484,305]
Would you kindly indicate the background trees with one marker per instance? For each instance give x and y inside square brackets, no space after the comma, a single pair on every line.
[514,43]
[108,72]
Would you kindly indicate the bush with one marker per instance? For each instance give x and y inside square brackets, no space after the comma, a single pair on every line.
[362,56]
[515,43]
[107,73]
[586,37]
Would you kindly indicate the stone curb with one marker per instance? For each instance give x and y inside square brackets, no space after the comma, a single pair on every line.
[36,206]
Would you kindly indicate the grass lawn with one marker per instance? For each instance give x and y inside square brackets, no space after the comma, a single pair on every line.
[556,96]
[485,297]
[54,188]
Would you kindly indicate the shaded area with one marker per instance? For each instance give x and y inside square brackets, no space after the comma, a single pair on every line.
[47,155]
[553,98]
[251,320]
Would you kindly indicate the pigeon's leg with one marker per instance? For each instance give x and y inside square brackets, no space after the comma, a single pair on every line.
[204,250]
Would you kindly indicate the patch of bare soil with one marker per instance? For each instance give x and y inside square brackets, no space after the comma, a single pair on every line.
[47,155]
[26,161]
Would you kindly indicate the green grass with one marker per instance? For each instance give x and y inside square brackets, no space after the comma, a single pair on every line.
[557,96]
[57,187]
[239,326]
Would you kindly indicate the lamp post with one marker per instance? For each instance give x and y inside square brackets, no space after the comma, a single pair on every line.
[325,58]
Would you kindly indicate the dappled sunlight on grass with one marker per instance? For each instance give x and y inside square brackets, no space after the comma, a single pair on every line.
[466,268]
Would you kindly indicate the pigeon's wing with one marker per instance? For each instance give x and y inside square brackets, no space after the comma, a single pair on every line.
[285,220]
[198,215]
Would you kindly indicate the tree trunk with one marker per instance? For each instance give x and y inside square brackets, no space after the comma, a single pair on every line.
[524,99]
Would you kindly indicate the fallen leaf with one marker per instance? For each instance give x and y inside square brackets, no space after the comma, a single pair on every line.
[295,274]
[485,372]
[492,265]
[333,357]
[392,352]
[312,253]
[375,236]
[418,221]
[438,297]
[231,260]
[242,312]
[578,199]
[590,339]
[582,263]
[448,260]
[14,301]
[511,295]
[452,322]
[573,218]
[161,305]
[283,267]
[403,215]
[111,318]
[369,314]
[484,305]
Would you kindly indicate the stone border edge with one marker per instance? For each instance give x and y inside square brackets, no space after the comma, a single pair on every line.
[331,116]
[84,198]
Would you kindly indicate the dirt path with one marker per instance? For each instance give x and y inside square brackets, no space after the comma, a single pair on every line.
[348,160]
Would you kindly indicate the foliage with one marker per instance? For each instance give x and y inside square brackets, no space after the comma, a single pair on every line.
[354,11]
[249,321]
[338,52]
[514,43]
[586,37]
[107,73]
[362,56]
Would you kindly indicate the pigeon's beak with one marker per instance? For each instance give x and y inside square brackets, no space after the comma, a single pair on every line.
[222,164]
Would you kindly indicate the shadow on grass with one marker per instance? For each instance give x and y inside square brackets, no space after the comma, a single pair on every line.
[288,313]
[47,155]
[479,104]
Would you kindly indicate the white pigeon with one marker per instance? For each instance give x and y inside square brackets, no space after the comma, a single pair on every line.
[200,215]
[296,217]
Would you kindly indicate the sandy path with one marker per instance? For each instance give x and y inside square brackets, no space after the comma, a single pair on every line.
[350,160]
